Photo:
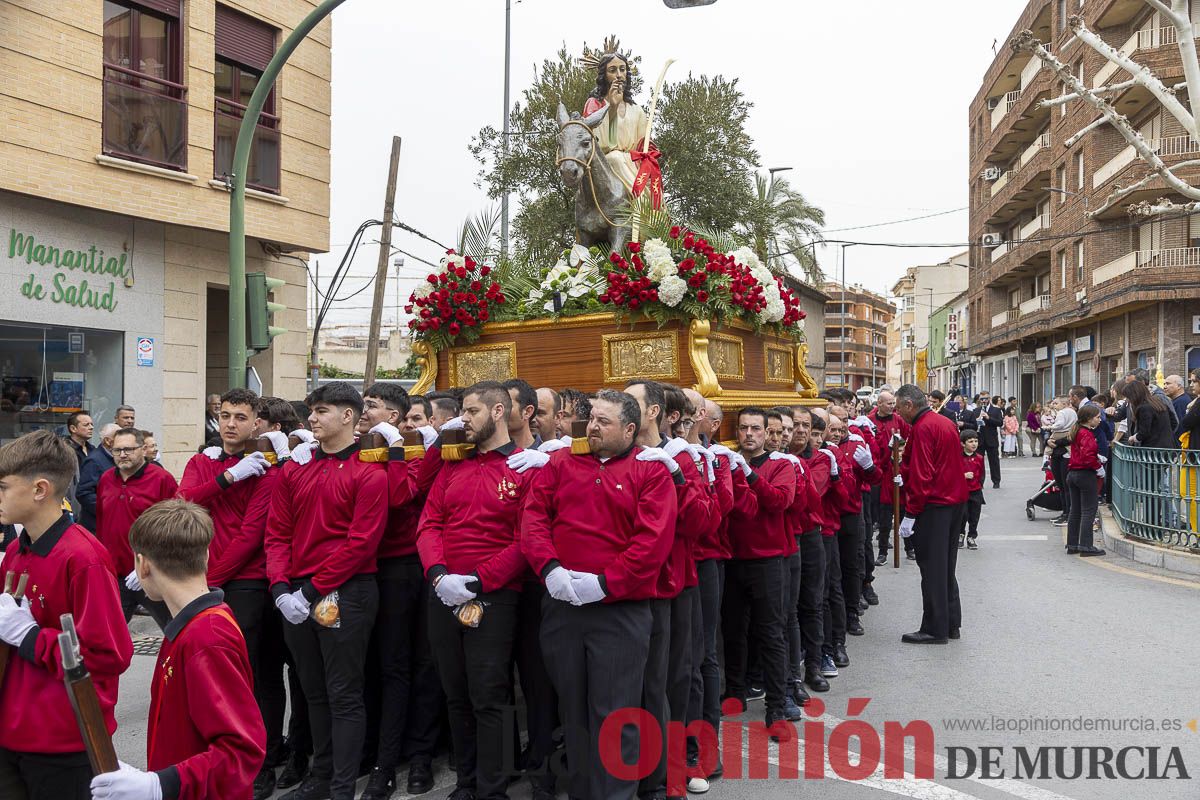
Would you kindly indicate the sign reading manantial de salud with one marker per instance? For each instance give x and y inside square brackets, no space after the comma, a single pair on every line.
[62,286]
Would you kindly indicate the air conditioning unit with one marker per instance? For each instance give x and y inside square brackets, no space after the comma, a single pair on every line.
[1081,296]
[991,174]
[992,239]
[993,102]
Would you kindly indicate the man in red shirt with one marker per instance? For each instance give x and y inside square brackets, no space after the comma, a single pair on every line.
[934,493]
[471,554]
[70,572]
[122,494]
[327,518]
[201,744]
[598,528]
[754,582]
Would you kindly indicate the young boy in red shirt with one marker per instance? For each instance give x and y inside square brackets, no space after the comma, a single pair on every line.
[42,755]
[205,740]
[973,472]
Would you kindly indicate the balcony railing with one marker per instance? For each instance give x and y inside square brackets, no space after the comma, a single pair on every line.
[1164,146]
[145,118]
[1030,72]
[999,251]
[1005,317]
[263,172]
[1157,37]
[1035,304]
[1169,258]
[1040,143]
[1029,229]
[1004,105]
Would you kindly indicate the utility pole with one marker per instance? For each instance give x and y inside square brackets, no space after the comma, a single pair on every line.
[385,252]
[504,143]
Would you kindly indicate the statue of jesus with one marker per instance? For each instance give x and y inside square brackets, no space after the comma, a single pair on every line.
[622,130]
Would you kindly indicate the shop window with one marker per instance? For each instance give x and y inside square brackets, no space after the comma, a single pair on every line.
[244,48]
[145,103]
[48,372]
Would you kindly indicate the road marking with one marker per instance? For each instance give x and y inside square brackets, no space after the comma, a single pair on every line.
[1017,537]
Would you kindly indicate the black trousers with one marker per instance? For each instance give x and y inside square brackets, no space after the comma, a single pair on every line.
[271,687]
[405,693]
[970,517]
[705,701]
[937,556]
[130,600]
[595,655]
[883,517]
[791,617]
[833,609]
[44,776]
[810,604]
[849,538]
[331,663]
[754,605]
[992,451]
[248,601]
[541,702]
[1058,468]
[685,610]
[1084,487]
[655,678]
[870,505]
[474,665]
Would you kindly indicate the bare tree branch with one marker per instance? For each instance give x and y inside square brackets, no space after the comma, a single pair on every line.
[1163,8]
[1163,205]
[1120,191]
[1186,33]
[1091,126]
[1050,102]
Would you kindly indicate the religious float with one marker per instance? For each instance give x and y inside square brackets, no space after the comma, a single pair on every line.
[636,297]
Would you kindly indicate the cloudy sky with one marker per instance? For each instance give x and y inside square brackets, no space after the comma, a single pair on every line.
[866,101]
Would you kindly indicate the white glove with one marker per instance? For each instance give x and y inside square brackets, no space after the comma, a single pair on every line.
[132,583]
[278,440]
[1100,473]
[906,526]
[587,587]
[854,437]
[16,620]
[862,457]
[387,431]
[786,457]
[863,421]
[527,459]
[304,435]
[739,461]
[675,446]
[560,586]
[304,452]
[1103,459]
[659,455]
[898,480]
[294,607]
[554,445]
[833,467]
[455,424]
[127,783]
[428,435]
[721,450]
[452,589]
[251,466]
[213,453]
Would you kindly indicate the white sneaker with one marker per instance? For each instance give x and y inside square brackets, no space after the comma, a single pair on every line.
[697,786]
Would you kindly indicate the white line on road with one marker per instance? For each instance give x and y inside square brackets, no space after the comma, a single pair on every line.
[1016,537]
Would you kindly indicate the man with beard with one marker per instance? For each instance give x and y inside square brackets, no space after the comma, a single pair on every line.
[625,123]
[598,528]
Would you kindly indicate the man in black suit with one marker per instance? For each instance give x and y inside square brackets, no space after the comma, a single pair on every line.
[991,419]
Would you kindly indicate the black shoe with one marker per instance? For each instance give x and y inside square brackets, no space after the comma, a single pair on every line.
[542,793]
[854,628]
[756,693]
[1086,552]
[310,789]
[881,559]
[381,785]
[294,770]
[791,711]
[461,793]
[972,544]
[420,777]
[921,638]
[869,595]
[840,657]
[911,555]
[815,680]
[799,693]
[772,718]
[995,486]
[264,783]
[962,540]
[955,633]
[863,605]
[1072,550]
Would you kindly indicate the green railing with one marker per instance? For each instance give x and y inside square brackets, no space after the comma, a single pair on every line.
[1155,495]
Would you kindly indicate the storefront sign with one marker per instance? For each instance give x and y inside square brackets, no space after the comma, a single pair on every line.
[1042,353]
[1083,344]
[62,287]
[1062,349]
[145,351]
[1196,324]
[1028,365]
[75,343]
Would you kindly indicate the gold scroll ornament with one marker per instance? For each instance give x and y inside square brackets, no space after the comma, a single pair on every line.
[489,362]
[639,355]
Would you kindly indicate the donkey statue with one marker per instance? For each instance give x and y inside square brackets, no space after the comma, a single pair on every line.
[601,199]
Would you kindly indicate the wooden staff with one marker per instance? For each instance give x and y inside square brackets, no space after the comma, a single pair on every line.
[897,442]
[85,702]
[10,578]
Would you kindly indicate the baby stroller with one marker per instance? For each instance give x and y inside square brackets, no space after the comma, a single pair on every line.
[1048,497]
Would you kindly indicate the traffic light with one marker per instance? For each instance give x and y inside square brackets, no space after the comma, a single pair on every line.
[259,309]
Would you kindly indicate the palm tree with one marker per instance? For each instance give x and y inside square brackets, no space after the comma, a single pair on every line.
[782,226]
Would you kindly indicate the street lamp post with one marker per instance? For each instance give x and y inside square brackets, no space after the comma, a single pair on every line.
[507,107]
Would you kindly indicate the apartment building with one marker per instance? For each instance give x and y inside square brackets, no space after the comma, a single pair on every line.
[949,361]
[917,294]
[1058,297]
[856,323]
[120,121]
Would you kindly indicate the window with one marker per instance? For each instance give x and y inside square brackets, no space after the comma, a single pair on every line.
[908,302]
[244,48]
[1061,181]
[1062,268]
[1079,170]
[1079,262]
[1062,14]
[145,104]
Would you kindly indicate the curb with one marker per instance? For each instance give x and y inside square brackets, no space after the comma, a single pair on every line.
[1144,553]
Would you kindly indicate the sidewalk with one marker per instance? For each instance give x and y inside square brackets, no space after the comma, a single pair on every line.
[1167,558]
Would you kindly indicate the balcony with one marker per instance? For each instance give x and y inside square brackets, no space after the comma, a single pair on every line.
[144,118]
[999,251]
[1039,144]
[1005,317]
[1029,74]
[1035,304]
[1031,228]
[1110,69]
[1165,146]
[1146,39]
[1004,105]
[1170,258]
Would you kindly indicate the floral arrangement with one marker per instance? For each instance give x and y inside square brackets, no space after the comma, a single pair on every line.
[570,286]
[454,302]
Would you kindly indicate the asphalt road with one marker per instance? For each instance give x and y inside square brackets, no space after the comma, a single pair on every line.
[1057,653]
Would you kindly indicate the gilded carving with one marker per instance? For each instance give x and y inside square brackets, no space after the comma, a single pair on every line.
[725,355]
[808,386]
[778,361]
[699,338]
[493,362]
[427,361]
[641,355]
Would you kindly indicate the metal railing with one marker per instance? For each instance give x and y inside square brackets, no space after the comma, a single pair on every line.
[144,118]
[1155,494]
[264,165]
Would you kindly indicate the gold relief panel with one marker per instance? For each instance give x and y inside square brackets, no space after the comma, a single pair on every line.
[778,361]
[641,355]
[725,355]
[491,362]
